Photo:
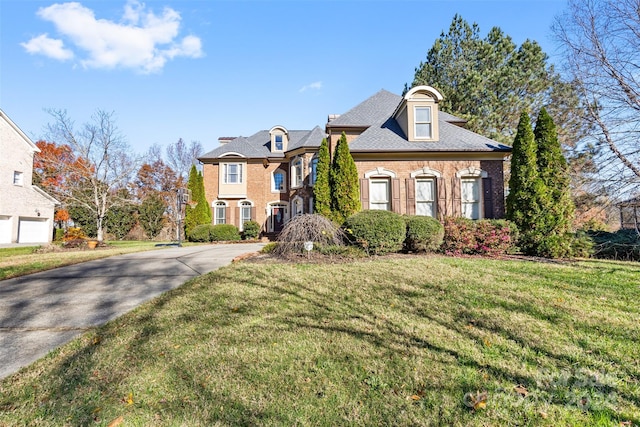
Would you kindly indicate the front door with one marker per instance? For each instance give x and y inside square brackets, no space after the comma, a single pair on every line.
[277,214]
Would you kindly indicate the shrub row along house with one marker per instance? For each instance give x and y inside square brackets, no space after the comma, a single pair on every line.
[411,159]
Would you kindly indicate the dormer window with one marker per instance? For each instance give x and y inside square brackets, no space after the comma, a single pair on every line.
[417,114]
[279,138]
[422,122]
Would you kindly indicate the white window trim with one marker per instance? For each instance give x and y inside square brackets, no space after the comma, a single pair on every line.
[416,123]
[225,172]
[242,204]
[380,172]
[472,172]
[434,202]
[284,181]
[18,178]
[294,202]
[215,205]
[426,172]
[294,176]
[386,179]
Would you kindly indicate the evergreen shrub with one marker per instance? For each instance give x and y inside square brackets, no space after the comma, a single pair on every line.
[377,232]
[424,234]
[621,245]
[224,232]
[201,233]
[250,230]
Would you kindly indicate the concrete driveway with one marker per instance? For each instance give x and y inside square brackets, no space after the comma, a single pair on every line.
[42,311]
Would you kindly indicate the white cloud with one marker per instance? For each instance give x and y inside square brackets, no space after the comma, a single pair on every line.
[311,86]
[49,47]
[142,41]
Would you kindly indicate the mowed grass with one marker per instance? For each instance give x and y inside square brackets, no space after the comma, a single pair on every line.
[23,260]
[388,341]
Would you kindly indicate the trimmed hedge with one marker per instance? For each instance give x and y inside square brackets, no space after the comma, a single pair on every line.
[377,232]
[224,232]
[214,233]
[200,233]
[424,234]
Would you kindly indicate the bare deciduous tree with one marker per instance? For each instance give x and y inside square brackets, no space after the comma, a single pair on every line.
[181,156]
[601,43]
[105,167]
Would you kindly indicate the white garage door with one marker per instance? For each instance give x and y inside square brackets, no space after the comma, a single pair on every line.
[33,231]
[5,229]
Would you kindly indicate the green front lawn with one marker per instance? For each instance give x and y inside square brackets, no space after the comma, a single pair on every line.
[388,341]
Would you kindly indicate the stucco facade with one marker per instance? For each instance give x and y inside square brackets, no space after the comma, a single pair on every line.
[26,211]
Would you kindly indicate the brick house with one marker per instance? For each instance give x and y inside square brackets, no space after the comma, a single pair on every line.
[411,159]
[26,211]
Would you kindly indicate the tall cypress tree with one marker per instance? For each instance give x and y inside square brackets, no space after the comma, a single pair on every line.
[321,188]
[345,187]
[201,213]
[554,173]
[527,193]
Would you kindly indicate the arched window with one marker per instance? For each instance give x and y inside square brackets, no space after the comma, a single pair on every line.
[220,212]
[297,206]
[245,208]
[296,172]
[278,181]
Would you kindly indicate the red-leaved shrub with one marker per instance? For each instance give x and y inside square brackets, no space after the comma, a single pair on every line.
[483,237]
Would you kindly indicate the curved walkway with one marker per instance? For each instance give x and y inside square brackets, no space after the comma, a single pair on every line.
[42,311]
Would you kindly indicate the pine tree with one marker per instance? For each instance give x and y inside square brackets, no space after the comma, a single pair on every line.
[554,173]
[345,187]
[527,193]
[321,188]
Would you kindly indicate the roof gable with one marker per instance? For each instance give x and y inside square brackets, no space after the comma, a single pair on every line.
[33,147]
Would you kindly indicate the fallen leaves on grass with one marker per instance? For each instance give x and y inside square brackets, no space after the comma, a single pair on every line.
[477,400]
[521,390]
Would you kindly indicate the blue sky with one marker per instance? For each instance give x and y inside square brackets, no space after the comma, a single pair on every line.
[202,69]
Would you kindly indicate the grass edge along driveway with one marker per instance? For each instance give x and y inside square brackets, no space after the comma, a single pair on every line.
[404,341]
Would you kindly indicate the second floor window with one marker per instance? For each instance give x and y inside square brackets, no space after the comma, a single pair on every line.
[278,181]
[422,122]
[18,178]
[233,173]
[314,170]
[296,173]
[279,145]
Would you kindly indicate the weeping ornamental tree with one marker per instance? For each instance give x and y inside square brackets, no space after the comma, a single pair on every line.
[321,188]
[345,187]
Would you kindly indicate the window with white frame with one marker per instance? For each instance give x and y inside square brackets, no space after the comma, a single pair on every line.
[18,178]
[278,181]
[314,170]
[233,173]
[422,119]
[296,172]
[470,193]
[297,206]
[279,143]
[220,213]
[426,196]
[379,195]
[245,213]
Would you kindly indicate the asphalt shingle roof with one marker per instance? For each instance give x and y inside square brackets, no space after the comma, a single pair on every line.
[258,145]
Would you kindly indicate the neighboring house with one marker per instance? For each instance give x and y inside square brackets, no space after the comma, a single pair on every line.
[411,159]
[630,214]
[26,211]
